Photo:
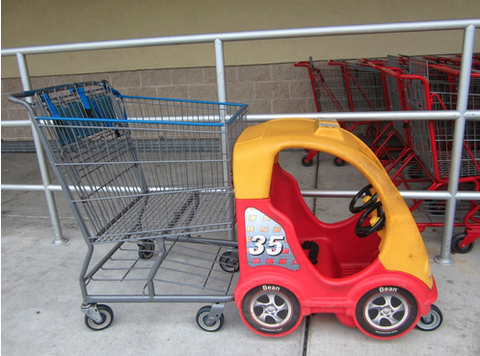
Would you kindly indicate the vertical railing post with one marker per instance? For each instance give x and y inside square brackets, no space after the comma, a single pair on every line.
[222,98]
[457,147]
[220,67]
[42,162]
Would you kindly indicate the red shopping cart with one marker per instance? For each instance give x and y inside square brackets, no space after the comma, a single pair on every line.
[346,87]
[432,143]
[426,155]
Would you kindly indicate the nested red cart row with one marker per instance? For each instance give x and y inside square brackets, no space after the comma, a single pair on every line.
[417,152]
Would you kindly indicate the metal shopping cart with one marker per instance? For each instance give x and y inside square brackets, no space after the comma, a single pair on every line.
[399,157]
[149,182]
[340,86]
[452,61]
[426,155]
[432,143]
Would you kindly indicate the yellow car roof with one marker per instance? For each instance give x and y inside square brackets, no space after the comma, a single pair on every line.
[257,147]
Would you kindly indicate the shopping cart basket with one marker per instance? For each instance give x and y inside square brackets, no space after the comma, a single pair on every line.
[452,61]
[426,156]
[432,142]
[399,154]
[341,87]
[149,183]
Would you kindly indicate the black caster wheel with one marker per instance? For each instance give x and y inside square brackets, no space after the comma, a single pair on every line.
[205,324]
[229,261]
[432,321]
[457,244]
[107,318]
[146,249]
[338,162]
[306,163]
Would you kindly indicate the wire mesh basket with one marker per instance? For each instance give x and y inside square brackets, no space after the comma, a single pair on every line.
[432,140]
[136,167]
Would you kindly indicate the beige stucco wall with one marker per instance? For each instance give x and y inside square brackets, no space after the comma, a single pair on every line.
[40,22]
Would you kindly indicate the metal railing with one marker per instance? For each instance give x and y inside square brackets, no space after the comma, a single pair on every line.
[451,196]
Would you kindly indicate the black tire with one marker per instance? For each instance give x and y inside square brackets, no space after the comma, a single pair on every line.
[107,318]
[338,162]
[229,261]
[386,312]
[202,320]
[456,244]
[432,321]
[283,312]
[146,249]
[306,163]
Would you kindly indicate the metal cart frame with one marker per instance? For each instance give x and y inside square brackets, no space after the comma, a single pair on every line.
[152,177]
[426,156]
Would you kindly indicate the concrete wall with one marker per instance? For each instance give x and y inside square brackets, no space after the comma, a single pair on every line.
[44,22]
[275,88]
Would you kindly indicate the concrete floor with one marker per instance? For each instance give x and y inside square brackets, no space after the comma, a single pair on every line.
[41,297]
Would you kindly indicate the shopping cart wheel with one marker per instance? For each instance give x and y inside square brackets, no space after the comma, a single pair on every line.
[457,244]
[432,321]
[229,261]
[106,313]
[209,325]
[271,309]
[386,312]
[338,162]
[306,163]
[146,248]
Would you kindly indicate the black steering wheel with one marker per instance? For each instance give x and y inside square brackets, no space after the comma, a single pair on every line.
[364,231]
[371,205]
[364,191]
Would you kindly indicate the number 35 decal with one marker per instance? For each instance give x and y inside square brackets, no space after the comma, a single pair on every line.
[273,248]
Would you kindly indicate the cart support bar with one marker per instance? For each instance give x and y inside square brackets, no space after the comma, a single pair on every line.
[42,162]
[458,135]
[160,299]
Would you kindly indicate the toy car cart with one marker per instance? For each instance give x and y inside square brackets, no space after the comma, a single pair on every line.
[371,270]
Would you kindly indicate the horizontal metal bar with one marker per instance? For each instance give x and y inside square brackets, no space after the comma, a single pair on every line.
[159,299]
[203,241]
[31,187]
[250,35]
[370,115]
[467,196]
[340,116]
[411,194]
[315,193]
[472,115]
[16,123]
